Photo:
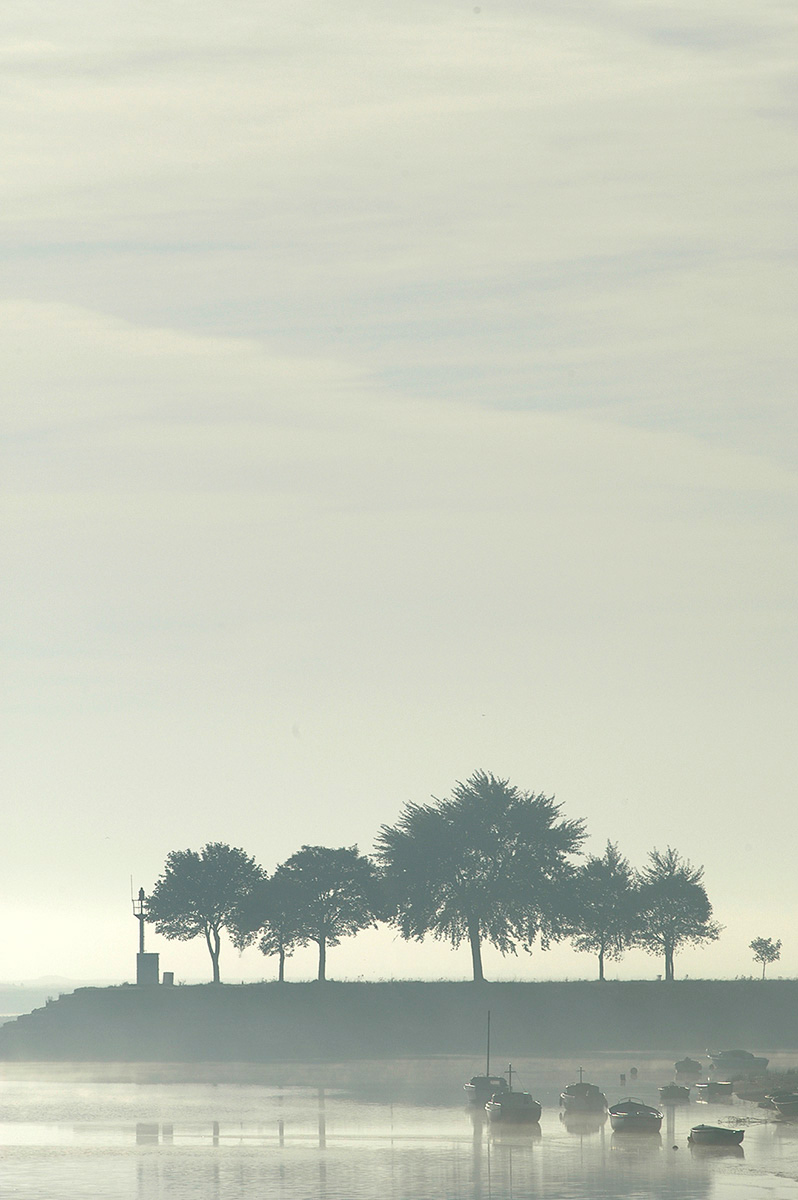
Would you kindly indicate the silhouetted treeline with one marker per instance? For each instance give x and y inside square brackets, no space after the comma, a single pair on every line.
[490,864]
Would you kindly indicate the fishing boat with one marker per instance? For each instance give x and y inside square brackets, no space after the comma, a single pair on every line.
[688,1066]
[737,1064]
[633,1116]
[582,1097]
[480,1088]
[674,1093]
[714,1089]
[715,1135]
[513,1107]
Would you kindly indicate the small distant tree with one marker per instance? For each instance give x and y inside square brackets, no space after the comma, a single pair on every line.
[333,893]
[269,915]
[201,893]
[605,918]
[673,907]
[765,951]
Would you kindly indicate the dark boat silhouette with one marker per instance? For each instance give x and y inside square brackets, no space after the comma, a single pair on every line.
[583,1097]
[517,1108]
[633,1116]
[715,1135]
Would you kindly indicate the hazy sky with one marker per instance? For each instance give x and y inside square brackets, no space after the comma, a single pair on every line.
[391,391]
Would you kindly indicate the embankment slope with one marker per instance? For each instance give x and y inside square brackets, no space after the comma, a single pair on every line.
[337,1021]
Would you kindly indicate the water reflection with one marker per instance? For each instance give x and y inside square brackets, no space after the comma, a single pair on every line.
[292,1141]
[583,1123]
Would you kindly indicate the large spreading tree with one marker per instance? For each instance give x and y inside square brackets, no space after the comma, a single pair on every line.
[490,864]
[673,907]
[200,893]
[332,892]
[605,918]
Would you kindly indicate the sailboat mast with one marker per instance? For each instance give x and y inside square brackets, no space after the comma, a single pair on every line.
[487,1062]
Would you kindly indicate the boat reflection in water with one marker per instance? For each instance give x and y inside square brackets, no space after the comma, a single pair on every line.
[636,1145]
[583,1123]
[702,1150]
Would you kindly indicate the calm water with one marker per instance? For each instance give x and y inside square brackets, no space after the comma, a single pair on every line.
[393,1131]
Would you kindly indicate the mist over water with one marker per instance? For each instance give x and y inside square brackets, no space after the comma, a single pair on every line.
[397,1129]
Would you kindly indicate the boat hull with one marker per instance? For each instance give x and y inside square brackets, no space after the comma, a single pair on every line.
[583,1098]
[514,1108]
[787,1107]
[633,1116]
[715,1135]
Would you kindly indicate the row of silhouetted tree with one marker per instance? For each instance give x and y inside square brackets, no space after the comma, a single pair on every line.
[490,864]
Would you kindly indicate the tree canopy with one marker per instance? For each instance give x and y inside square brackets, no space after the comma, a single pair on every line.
[268,914]
[673,907]
[489,864]
[606,906]
[201,893]
[765,951]
[333,893]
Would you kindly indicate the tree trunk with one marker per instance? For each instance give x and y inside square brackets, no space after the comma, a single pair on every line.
[669,964]
[281,967]
[764,964]
[214,941]
[322,959]
[601,965]
[476,951]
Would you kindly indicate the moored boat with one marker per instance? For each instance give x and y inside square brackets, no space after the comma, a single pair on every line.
[688,1066]
[516,1107]
[786,1103]
[633,1116]
[583,1097]
[480,1088]
[513,1107]
[714,1089]
[674,1093]
[715,1135]
[737,1064]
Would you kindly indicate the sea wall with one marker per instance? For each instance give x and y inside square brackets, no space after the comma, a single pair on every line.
[338,1021]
